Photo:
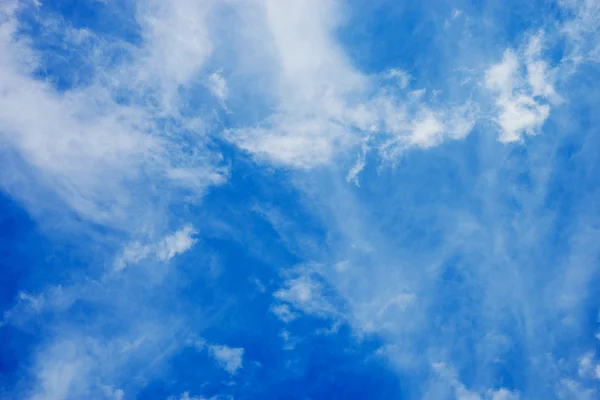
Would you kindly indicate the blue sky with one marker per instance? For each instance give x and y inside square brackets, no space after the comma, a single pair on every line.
[261,199]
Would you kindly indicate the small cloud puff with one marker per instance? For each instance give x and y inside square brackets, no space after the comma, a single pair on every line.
[177,243]
[306,294]
[164,250]
[228,358]
[522,95]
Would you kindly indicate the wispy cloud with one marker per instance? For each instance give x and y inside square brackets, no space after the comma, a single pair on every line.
[94,151]
[326,106]
[454,226]
[306,293]
[114,150]
[581,29]
[171,245]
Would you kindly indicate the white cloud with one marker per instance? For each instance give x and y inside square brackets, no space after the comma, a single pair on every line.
[283,312]
[164,250]
[383,313]
[461,392]
[325,106]
[402,77]
[179,44]
[359,165]
[521,97]
[293,141]
[581,28]
[322,106]
[228,358]
[448,375]
[289,342]
[539,77]
[311,78]
[87,362]
[427,131]
[218,86]
[176,243]
[113,394]
[306,294]
[586,365]
[62,372]
[89,149]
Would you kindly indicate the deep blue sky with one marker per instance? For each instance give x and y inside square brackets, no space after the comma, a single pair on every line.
[299,199]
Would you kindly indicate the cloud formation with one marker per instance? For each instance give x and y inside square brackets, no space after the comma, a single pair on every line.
[523,92]
[336,197]
[171,245]
[96,152]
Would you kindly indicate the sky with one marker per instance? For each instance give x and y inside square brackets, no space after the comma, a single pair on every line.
[299,199]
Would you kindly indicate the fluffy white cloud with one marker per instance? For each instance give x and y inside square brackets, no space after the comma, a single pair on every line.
[228,358]
[522,94]
[176,243]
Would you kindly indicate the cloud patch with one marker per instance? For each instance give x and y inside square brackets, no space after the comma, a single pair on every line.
[228,358]
[164,250]
[523,87]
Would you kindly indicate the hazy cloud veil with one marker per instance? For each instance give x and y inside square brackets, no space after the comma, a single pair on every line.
[299,199]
